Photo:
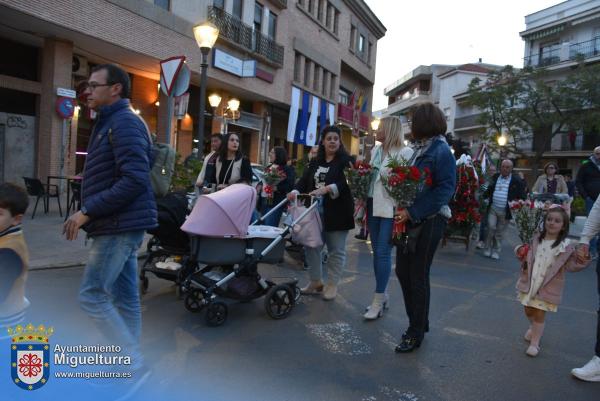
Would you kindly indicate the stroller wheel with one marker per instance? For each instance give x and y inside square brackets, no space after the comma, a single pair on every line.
[193,301]
[216,314]
[279,301]
[144,284]
[297,293]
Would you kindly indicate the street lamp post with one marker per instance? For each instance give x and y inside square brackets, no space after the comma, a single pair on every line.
[502,140]
[232,112]
[206,35]
[232,107]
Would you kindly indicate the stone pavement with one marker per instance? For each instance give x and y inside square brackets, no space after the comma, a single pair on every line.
[48,248]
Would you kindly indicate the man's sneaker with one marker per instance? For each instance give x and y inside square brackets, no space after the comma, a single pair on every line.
[590,372]
[487,253]
[480,245]
[495,255]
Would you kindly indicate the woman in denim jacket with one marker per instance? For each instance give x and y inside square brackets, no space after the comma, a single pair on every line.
[426,218]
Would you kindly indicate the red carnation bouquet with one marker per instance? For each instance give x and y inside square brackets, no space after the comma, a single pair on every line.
[273,175]
[403,183]
[464,204]
[359,178]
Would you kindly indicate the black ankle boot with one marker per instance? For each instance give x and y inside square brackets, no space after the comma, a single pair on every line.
[408,344]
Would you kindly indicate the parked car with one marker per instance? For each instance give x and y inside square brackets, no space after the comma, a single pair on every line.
[257,173]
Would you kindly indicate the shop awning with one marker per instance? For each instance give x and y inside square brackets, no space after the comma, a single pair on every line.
[544,32]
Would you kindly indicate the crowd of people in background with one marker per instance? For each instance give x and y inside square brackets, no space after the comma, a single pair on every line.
[117,208]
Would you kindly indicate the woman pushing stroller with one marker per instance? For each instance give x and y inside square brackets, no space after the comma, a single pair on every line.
[325,178]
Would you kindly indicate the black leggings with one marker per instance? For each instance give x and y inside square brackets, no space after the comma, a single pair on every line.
[412,270]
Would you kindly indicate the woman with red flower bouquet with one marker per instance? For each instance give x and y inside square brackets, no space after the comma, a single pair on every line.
[381,206]
[271,195]
[425,219]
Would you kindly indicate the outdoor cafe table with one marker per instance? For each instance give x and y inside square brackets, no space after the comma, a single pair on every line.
[69,179]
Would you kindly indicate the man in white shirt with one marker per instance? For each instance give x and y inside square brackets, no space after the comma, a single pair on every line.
[505,187]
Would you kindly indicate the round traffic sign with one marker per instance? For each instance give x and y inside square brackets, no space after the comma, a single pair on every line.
[65,107]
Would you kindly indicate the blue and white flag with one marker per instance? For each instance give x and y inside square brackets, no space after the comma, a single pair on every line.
[302,125]
[331,113]
[322,116]
[311,131]
[293,118]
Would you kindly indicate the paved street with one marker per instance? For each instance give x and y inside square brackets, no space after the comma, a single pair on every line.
[325,351]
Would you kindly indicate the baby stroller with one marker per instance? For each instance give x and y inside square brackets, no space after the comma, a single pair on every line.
[169,246]
[222,239]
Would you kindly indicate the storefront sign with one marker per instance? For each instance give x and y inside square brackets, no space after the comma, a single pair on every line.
[264,75]
[65,107]
[234,65]
[66,93]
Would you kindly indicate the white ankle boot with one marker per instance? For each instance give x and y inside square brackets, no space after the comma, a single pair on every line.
[386,302]
[376,308]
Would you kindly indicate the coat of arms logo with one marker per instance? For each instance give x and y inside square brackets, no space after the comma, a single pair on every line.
[30,355]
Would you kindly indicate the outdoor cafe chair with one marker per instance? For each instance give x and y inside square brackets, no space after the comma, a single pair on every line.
[40,191]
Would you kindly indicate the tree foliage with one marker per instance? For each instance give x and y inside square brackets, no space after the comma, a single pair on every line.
[536,105]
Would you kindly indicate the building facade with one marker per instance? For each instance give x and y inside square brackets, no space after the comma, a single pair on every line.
[325,47]
[556,38]
[446,87]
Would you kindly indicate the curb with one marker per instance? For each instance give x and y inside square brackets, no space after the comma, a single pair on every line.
[67,265]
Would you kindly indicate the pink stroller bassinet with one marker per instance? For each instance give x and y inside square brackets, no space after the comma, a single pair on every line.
[220,222]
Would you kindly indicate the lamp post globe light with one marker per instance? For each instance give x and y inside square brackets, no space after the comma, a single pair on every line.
[232,111]
[502,140]
[375,124]
[206,35]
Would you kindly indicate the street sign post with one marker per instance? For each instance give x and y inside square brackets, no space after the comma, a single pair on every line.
[174,81]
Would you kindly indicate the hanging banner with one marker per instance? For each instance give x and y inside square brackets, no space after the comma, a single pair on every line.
[311,130]
[293,118]
[331,113]
[181,105]
[322,117]
[303,120]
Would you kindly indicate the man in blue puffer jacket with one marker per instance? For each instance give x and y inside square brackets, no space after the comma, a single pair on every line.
[117,206]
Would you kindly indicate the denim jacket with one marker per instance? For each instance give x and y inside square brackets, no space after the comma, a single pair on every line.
[442,164]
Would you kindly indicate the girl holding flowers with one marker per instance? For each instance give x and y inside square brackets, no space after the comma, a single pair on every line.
[542,279]
[380,207]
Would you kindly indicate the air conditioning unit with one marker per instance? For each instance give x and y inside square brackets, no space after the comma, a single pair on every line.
[80,66]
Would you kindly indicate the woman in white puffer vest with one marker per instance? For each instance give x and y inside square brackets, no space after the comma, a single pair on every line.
[381,207]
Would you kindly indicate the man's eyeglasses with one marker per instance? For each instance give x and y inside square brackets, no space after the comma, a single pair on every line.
[93,85]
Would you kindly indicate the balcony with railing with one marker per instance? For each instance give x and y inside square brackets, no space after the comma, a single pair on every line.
[467,122]
[564,52]
[408,100]
[587,49]
[239,34]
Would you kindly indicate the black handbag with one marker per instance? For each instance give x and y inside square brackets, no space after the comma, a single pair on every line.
[407,243]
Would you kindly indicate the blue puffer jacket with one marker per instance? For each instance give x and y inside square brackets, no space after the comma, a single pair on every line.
[116,190]
[442,164]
